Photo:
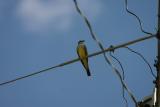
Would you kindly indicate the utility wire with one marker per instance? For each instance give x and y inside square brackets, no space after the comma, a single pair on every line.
[145,60]
[77,59]
[105,56]
[123,76]
[139,20]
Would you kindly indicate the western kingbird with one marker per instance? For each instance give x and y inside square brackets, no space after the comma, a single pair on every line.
[82,53]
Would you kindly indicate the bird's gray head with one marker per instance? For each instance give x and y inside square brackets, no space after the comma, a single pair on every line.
[81,41]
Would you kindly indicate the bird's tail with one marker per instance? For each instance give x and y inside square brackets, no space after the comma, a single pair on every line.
[88,72]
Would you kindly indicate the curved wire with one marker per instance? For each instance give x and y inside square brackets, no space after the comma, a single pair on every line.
[106,58]
[139,20]
[145,60]
[123,76]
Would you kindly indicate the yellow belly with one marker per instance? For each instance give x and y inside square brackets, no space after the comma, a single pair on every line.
[82,54]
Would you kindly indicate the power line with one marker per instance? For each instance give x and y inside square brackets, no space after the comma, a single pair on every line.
[77,59]
[145,60]
[123,76]
[119,62]
[139,20]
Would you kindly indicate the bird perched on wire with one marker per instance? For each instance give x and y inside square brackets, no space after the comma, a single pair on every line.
[82,53]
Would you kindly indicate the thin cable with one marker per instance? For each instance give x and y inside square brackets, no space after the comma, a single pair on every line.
[123,76]
[101,47]
[38,72]
[77,59]
[139,20]
[145,60]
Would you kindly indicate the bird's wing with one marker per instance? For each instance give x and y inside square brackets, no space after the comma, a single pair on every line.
[86,53]
[82,53]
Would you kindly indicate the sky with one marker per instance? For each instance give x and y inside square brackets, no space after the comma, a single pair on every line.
[37,34]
